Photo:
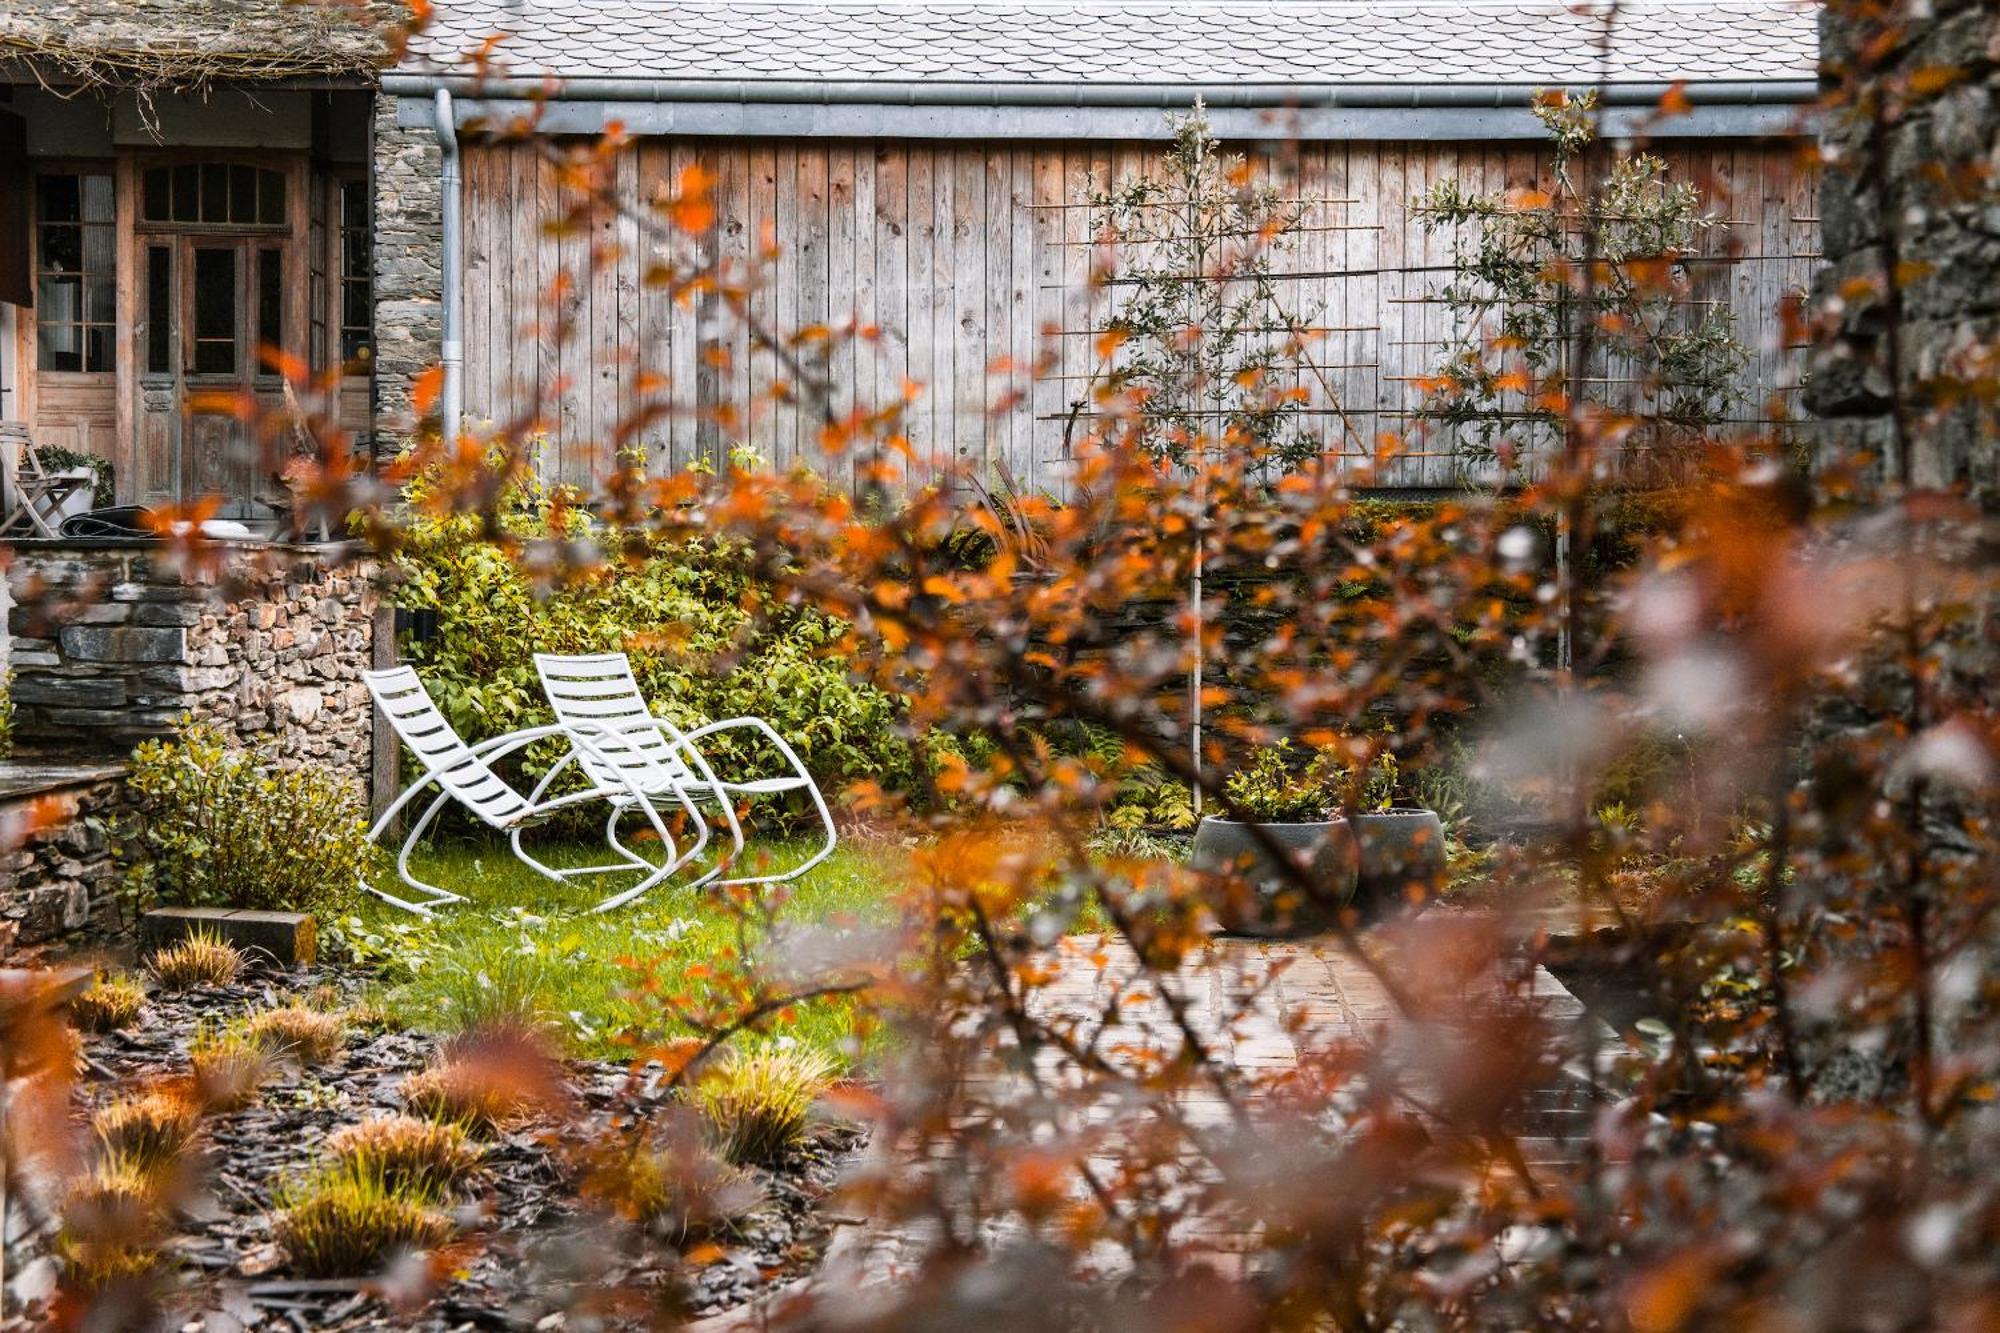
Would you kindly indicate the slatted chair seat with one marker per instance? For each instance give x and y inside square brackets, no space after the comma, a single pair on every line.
[403,700]
[633,744]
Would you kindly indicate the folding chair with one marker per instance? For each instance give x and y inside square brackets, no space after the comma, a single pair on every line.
[35,495]
[464,773]
[596,695]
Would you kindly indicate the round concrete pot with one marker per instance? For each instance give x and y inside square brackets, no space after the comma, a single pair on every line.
[1260,900]
[1401,856]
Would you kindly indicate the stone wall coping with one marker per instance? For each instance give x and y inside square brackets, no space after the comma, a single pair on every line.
[28,777]
[52,545]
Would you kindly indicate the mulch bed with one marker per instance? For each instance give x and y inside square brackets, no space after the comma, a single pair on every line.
[533,1256]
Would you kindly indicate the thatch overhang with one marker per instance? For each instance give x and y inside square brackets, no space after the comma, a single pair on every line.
[189,46]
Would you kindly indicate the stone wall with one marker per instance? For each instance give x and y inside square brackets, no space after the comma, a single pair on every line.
[409,264]
[61,878]
[112,644]
[1912,175]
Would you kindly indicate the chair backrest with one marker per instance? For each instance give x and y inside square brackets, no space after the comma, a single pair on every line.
[596,694]
[403,700]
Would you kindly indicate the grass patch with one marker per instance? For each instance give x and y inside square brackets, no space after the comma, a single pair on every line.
[527,953]
[148,1129]
[759,1102]
[407,1153]
[229,1067]
[111,1003]
[294,1032]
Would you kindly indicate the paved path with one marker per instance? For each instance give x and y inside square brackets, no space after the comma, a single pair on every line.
[1267,1009]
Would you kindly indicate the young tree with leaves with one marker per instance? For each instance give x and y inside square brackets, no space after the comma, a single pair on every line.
[1661,360]
[1197,330]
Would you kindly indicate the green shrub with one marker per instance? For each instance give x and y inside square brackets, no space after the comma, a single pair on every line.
[220,829]
[681,609]
[1274,789]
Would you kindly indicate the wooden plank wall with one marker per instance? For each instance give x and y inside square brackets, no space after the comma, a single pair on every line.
[962,254]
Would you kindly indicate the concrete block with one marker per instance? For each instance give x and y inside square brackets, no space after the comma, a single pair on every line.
[290,938]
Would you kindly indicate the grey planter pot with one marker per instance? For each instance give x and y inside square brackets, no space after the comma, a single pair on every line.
[1401,854]
[1263,901]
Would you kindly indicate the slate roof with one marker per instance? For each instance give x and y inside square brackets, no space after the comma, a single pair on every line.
[1067,42]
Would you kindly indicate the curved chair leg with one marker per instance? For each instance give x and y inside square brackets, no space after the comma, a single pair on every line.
[653,816]
[812,788]
[437,897]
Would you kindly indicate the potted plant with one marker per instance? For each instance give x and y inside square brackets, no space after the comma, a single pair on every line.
[1293,807]
[1401,845]
[74,465]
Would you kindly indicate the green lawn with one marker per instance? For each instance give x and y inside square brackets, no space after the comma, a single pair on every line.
[524,944]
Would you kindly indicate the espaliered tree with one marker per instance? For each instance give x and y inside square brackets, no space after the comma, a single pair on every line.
[1658,357]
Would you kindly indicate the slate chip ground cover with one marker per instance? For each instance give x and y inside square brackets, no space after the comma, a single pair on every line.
[521,1213]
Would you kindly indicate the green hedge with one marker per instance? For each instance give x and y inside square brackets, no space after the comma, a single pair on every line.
[680,611]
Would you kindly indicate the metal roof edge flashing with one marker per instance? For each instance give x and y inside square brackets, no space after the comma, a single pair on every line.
[1263,96]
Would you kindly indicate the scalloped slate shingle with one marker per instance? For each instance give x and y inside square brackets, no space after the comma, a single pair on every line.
[1206,42]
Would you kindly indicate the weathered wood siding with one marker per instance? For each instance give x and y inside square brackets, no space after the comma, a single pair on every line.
[963,254]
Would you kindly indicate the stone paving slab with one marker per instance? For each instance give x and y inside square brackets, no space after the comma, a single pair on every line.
[1304,998]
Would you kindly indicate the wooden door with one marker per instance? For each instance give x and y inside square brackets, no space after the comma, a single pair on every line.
[217,250]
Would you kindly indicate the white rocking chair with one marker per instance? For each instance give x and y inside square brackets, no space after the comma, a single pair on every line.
[595,695]
[464,773]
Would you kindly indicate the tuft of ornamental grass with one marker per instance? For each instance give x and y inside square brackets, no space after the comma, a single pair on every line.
[687,1201]
[295,1032]
[228,1066]
[150,1129]
[111,1223]
[459,1092]
[429,1156]
[758,1103]
[351,1222]
[203,958]
[109,1004]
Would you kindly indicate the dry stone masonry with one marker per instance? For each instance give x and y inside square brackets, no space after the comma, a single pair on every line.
[61,878]
[1912,171]
[409,263]
[111,644]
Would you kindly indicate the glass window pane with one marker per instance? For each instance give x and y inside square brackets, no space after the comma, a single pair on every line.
[354,204]
[159,310]
[100,296]
[62,248]
[99,250]
[354,305]
[58,299]
[100,347]
[187,193]
[214,192]
[270,303]
[271,206]
[215,310]
[99,200]
[61,347]
[61,198]
[243,194]
[158,196]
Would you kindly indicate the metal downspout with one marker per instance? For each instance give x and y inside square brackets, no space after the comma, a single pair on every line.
[452,399]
